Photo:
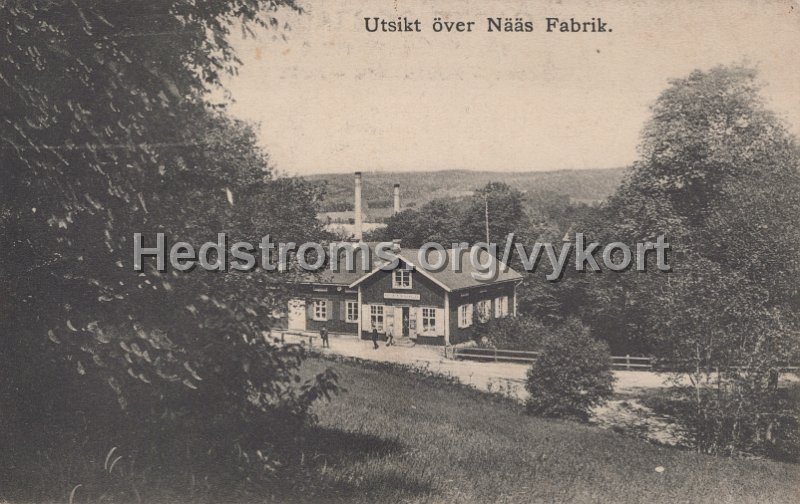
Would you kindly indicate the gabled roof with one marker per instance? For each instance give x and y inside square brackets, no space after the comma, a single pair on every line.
[344,277]
[446,277]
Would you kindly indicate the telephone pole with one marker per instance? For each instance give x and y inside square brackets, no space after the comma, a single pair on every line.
[486,214]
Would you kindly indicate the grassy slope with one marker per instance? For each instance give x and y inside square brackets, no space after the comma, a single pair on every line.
[400,437]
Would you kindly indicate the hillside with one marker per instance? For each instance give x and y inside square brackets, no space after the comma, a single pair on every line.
[398,436]
[419,187]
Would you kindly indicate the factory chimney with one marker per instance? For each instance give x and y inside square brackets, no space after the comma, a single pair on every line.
[397,198]
[357,209]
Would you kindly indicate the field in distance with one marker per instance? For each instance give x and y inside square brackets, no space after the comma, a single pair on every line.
[417,188]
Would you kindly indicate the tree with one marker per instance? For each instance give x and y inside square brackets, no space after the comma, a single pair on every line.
[434,221]
[505,209]
[617,306]
[707,130]
[455,221]
[107,133]
[719,176]
[721,332]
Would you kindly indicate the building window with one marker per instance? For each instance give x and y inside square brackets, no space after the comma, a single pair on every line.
[484,309]
[320,309]
[401,279]
[501,306]
[351,311]
[376,317]
[465,315]
[429,320]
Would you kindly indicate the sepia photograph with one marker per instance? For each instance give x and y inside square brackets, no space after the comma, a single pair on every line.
[497,251]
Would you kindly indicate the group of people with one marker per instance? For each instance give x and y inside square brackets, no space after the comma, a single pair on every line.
[389,337]
[326,343]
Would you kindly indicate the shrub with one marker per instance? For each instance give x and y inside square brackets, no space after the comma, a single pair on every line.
[571,375]
[511,333]
[733,417]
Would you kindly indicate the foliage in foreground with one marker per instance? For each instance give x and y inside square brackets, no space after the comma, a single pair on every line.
[108,132]
[571,375]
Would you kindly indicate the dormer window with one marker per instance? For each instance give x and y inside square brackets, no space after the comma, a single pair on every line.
[401,279]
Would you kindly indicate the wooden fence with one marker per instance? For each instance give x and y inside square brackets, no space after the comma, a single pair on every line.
[494,355]
[630,363]
[626,362]
[298,337]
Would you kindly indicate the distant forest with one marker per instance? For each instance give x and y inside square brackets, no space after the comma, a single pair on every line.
[418,188]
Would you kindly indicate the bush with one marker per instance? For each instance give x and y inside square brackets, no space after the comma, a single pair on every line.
[511,333]
[731,417]
[720,420]
[571,375]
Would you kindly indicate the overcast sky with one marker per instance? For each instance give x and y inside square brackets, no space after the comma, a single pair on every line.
[335,98]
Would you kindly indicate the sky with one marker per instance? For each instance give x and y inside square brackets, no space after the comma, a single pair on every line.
[334,98]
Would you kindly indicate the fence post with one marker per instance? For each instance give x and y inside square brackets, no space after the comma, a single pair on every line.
[283,334]
[627,362]
[310,341]
[495,354]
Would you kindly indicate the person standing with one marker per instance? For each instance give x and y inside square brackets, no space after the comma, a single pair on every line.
[375,337]
[389,336]
[323,334]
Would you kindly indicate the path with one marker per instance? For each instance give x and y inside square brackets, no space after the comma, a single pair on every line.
[622,413]
[487,376]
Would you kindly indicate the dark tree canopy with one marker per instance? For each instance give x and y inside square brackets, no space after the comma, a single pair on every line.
[708,130]
[106,132]
[719,177]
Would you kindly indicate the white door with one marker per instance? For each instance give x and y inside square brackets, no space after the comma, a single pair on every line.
[297,315]
[397,321]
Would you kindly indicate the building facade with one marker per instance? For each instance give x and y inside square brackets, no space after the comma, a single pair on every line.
[434,308]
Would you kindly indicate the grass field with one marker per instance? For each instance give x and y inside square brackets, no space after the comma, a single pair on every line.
[398,436]
[392,435]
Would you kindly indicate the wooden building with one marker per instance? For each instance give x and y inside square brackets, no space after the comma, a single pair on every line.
[426,307]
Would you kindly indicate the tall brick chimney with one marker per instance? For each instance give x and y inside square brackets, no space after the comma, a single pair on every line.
[359,235]
[397,198]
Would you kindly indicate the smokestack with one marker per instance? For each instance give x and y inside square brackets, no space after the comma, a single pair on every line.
[397,198]
[357,208]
